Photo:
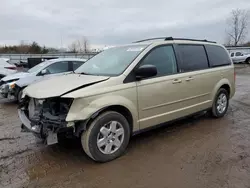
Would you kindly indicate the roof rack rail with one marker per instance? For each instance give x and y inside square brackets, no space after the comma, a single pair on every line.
[171,38]
[144,40]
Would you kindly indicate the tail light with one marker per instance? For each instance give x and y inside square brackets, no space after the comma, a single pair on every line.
[11,68]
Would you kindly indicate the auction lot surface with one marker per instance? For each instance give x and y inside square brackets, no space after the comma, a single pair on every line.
[196,152]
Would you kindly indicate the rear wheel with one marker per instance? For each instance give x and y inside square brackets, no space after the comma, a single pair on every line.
[221,103]
[107,137]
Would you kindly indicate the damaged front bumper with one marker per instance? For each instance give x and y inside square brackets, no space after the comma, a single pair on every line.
[26,124]
[44,118]
[6,91]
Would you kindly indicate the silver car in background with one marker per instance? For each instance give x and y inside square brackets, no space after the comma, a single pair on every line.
[11,86]
[6,68]
[239,57]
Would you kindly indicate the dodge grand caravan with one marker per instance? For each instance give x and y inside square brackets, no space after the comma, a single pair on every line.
[125,90]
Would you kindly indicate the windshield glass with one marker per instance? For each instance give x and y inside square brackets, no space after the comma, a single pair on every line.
[39,66]
[111,62]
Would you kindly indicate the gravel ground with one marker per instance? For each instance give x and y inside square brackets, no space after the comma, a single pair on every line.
[195,152]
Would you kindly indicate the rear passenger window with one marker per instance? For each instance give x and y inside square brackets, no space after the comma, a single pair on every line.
[163,58]
[232,54]
[58,67]
[217,56]
[193,57]
[76,64]
[238,54]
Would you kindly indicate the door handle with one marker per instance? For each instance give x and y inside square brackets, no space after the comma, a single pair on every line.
[176,81]
[189,78]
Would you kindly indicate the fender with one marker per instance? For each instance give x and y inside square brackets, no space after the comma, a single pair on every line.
[222,82]
[85,108]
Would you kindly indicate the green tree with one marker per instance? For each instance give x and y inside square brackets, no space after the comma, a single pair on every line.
[35,48]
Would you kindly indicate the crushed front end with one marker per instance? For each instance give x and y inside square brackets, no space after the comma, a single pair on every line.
[6,88]
[45,117]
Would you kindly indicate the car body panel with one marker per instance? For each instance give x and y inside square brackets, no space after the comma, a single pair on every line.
[18,75]
[125,96]
[33,79]
[3,71]
[60,84]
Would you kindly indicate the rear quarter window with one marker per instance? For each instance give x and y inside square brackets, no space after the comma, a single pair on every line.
[217,56]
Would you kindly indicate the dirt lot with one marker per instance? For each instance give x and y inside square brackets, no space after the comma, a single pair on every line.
[196,152]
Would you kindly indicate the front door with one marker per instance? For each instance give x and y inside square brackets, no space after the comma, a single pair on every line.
[159,97]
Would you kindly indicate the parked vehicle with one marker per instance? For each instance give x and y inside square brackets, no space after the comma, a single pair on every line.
[6,68]
[11,86]
[125,90]
[239,57]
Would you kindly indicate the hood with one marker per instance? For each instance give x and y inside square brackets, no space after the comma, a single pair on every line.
[23,82]
[15,76]
[59,85]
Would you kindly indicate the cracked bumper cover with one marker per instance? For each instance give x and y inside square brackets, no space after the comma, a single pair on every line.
[26,124]
[46,118]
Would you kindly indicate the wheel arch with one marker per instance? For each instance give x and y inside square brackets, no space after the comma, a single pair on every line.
[224,83]
[247,59]
[84,113]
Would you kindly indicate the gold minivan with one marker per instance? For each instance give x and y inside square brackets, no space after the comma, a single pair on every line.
[127,89]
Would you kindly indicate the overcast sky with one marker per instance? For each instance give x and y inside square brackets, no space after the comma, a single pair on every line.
[108,22]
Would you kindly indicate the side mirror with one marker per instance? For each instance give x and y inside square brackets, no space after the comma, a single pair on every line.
[44,71]
[145,71]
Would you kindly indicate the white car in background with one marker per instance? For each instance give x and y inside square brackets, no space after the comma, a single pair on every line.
[11,86]
[6,68]
[239,57]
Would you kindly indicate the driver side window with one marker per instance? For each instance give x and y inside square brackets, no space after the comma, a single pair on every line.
[163,58]
[58,67]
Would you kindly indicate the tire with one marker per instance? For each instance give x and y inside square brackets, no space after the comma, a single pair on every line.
[19,95]
[223,96]
[103,124]
[248,61]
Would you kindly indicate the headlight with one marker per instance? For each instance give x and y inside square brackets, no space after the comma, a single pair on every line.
[12,85]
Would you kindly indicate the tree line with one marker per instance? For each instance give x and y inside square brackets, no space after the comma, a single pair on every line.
[34,47]
[78,46]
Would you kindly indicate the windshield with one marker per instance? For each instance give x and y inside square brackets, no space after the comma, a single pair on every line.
[39,66]
[111,62]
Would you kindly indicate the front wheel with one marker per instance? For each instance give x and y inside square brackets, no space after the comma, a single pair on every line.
[221,103]
[107,137]
[19,95]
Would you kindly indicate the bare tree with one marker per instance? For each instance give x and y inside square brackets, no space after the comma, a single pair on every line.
[86,45]
[80,45]
[73,47]
[238,23]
